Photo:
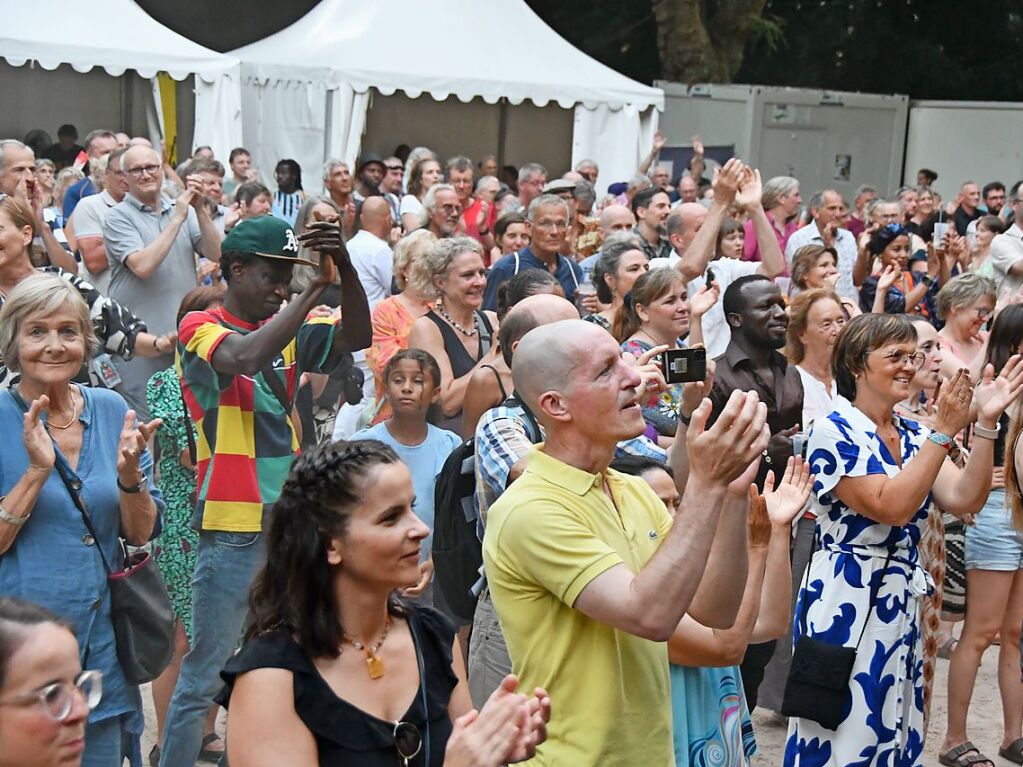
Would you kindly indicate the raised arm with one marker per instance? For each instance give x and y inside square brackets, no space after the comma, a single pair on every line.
[650,603]
[895,500]
[655,150]
[693,263]
[21,499]
[146,260]
[772,260]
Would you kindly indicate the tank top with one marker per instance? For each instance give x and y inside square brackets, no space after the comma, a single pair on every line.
[461,361]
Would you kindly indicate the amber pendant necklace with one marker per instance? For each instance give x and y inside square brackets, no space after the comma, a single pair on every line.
[373,662]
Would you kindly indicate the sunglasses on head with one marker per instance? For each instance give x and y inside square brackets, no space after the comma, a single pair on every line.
[407,740]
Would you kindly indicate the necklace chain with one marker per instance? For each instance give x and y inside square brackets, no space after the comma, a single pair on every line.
[74,413]
[455,325]
[373,662]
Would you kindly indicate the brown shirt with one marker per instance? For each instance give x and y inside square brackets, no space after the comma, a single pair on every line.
[780,388]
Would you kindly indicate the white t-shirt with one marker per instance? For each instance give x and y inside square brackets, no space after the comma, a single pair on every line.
[87,221]
[817,400]
[845,246]
[1006,250]
[716,333]
[410,204]
[374,264]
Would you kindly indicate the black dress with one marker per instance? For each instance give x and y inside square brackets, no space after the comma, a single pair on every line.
[345,735]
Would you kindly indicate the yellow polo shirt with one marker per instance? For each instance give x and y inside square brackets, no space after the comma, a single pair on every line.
[547,537]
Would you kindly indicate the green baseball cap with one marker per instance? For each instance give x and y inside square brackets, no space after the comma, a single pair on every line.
[266,236]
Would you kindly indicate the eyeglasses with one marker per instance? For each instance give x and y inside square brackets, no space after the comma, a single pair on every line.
[916,359]
[548,224]
[142,170]
[451,208]
[58,698]
[407,740]
[982,312]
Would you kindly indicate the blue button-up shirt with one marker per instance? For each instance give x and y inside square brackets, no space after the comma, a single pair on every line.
[568,273]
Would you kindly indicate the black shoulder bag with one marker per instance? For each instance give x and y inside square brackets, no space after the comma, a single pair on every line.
[140,608]
[818,682]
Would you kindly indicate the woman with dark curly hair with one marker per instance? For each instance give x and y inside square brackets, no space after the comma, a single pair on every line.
[897,289]
[335,669]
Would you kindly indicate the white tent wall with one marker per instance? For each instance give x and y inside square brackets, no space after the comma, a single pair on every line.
[964,141]
[616,139]
[451,127]
[89,100]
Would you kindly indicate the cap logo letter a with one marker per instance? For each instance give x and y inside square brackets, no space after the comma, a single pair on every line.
[292,243]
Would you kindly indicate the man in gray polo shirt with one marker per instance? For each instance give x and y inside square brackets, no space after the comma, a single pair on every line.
[151,244]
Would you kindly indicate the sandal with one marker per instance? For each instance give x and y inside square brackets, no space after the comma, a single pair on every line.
[964,755]
[1013,752]
[947,648]
[211,756]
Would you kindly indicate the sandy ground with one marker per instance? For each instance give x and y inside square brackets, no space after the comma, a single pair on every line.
[985,723]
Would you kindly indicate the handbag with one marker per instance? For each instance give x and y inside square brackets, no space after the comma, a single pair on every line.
[140,607]
[817,687]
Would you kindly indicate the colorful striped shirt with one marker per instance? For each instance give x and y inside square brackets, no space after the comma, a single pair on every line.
[246,440]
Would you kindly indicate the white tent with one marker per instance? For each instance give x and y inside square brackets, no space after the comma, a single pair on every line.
[118,36]
[306,89]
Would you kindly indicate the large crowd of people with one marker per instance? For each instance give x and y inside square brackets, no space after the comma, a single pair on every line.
[409,447]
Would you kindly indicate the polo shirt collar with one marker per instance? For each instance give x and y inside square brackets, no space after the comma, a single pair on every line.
[165,203]
[527,255]
[558,473]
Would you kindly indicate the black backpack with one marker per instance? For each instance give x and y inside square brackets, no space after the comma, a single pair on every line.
[457,550]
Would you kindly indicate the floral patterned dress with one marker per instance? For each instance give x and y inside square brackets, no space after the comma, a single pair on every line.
[661,410]
[176,548]
[884,723]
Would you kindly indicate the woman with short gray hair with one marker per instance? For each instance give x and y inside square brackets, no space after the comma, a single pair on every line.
[64,438]
[621,262]
[965,303]
[459,335]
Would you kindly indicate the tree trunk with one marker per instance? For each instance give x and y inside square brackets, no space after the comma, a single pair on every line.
[702,45]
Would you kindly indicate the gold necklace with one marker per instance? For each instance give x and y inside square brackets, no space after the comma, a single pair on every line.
[373,662]
[74,413]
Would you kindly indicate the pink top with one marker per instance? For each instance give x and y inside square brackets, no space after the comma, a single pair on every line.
[750,250]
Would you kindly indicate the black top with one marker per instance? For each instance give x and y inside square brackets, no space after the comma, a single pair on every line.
[461,361]
[347,736]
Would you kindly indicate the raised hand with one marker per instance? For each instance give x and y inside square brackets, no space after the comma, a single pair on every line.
[887,278]
[650,372]
[759,521]
[184,201]
[993,395]
[726,181]
[739,436]
[751,189]
[786,500]
[133,440]
[38,445]
[694,393]
[659,141]
[953,404]
[697,145]
[704,300]
[193,184]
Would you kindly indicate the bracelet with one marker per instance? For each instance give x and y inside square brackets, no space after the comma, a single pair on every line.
[10,518]
[941,440]
[985,432]
[134,488]
[156,345]
[928,280]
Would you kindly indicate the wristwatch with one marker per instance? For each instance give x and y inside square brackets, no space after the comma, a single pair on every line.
[136,488]
[985,432]
[10,518]
[928,280]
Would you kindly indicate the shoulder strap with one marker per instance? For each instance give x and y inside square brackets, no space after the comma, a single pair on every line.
[500,383]
[72,484]
[486,333]
[278,389]
[571,270]
[514,401]
[516,263]
[192,452]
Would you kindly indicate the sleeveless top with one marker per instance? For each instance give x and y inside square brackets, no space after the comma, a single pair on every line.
[347,736]
[461,361]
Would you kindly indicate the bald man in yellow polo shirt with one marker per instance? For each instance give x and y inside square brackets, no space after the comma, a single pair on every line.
[586,569]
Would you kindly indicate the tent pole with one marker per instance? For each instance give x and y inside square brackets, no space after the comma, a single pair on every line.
[127,101]
[502,132]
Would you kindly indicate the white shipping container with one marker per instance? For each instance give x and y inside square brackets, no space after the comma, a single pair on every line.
[826,139]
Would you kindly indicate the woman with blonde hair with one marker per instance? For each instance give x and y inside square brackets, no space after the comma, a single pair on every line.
[965,304]
[393,317]
[423,171]
[816,266]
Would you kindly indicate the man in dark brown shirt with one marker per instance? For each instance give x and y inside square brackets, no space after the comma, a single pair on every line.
[755,311]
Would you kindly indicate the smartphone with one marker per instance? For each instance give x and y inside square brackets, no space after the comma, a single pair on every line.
[939,235]
[799,444]
[711,277]
[684,365]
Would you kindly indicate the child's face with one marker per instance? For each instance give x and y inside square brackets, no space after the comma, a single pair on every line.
[410,388]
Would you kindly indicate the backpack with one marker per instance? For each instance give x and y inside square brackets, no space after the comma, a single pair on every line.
[457,549]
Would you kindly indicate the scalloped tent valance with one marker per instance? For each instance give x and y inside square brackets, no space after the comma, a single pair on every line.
[340,43]
[51,33]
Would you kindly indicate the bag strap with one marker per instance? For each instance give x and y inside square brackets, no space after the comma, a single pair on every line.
[874,588]
[192,452]
[278,389]
[514,401]
[71,483]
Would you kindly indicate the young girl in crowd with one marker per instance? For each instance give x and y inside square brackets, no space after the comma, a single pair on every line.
[411,382]
[335,669]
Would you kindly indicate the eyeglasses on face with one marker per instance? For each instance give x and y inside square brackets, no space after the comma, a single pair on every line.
[142,170]
[546,223]
[58,699]
[916,359]
[407,740]
[982,312]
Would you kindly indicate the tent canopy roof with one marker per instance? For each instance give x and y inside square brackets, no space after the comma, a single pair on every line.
[444,48]
[121,37]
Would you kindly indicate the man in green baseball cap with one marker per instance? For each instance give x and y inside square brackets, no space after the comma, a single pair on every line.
[240,366]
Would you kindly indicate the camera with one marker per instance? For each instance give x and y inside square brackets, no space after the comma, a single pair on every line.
[684,365]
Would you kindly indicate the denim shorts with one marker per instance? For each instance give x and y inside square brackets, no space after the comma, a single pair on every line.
[992,543]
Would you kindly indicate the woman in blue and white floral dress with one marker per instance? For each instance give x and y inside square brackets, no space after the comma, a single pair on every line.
[875,476]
